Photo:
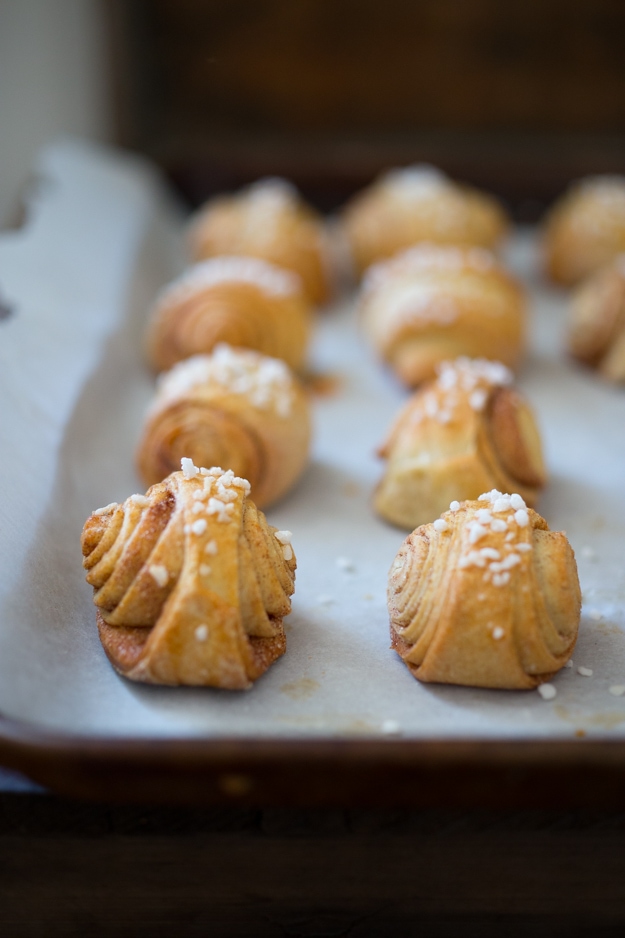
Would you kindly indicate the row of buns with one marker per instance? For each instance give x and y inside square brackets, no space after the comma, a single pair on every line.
[583,232]
[191,583]
[245,246]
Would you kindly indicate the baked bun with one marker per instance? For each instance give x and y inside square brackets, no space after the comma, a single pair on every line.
[466,432]
[234,408]
[432,303]
[191,583]
[242,301]
[267,220]
[586,229]
[596,333]
[419,203]
[486,596]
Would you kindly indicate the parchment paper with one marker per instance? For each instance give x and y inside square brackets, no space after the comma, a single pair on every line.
[102,236]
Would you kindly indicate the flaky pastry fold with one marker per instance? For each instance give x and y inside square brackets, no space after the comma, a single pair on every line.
[267,220]
[585,229]
[463,434]
[596,333]
[191,583]
[431,304]
[242,301]
[486,596]
[419,203]
[234,408]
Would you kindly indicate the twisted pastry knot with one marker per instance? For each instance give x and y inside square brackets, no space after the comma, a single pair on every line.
[597,322]
[268,220]
[191,583]
[486,596]
[415,204]
[234,408]
[242,301]
[467,432]
[433,303]
[586,229]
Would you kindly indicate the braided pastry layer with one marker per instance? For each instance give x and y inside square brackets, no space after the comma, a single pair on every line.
[242,301]
[432,304]
[596,334]
[585,230]
[191,583]
[486,596]
[419,203]
[267,220]
[464,433]
[235,408]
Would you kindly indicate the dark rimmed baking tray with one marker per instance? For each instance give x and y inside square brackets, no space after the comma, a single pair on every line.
[358,772]
[358,768]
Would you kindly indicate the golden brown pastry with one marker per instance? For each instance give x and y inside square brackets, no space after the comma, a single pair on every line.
[191,583]
[586,229]
[465,432]
[243,301]
[486,596]
[267,220]
[235,408]
[597,321]
[431,303]
[419,203]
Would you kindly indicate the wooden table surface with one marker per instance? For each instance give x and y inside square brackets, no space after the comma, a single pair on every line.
[70,867]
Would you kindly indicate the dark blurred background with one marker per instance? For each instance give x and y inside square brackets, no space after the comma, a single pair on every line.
[517,97]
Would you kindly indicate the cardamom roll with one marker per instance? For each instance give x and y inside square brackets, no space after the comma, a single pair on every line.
[416,204]
[234,408]
[460,435]
[269,220]
[431,304]
[190,582]
[242,301]
[485,596]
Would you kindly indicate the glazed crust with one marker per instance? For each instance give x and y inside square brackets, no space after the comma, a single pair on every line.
[218,424]
[185,603]
[585,230]
[406,207]
[191,322]
[433,304]
[596,334]
[455,621]
[453,443]
[270,221]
